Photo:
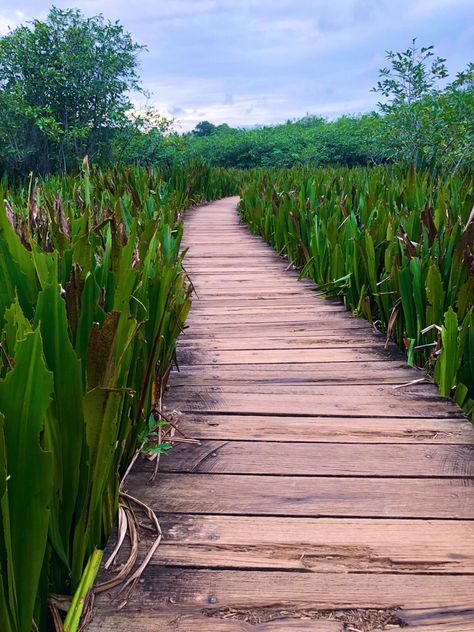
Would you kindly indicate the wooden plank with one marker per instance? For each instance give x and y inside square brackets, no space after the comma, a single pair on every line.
[266,273]
[233,275]
[295,310]
[207,251]
[241,272]
[298,342]
[182,621]
[294,370]
[319,404]
[210,281]
[188,588]
[382,372]
[197,329]
[227,294]
[328,429]
[284,356]
[452,620]
[236,305]
[209,286]
[308,496]
[321,459]
[318,544]
[308,301]
[417,390]
[246,267]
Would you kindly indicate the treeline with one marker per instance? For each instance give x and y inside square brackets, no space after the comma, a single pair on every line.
[423,119]
[64,93]
[311,140]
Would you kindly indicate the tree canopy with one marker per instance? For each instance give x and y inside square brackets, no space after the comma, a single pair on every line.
[64,85]
[427,121]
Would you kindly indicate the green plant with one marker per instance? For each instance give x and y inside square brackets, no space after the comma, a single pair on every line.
[395,244]
[93,296]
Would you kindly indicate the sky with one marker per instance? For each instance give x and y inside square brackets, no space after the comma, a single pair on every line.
[257,62]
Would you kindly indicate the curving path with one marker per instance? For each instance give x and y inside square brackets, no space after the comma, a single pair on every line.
[325,494]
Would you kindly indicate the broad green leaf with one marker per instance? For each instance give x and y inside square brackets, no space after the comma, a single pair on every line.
[24,401]
[64,431]
[447,364]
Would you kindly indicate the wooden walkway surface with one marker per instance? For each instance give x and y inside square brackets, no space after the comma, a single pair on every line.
[324,494]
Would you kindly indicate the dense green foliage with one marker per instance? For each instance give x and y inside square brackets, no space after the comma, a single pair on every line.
[426,123]
[64,85]
[397,247]
[423,121]
[92,298]
[311,140]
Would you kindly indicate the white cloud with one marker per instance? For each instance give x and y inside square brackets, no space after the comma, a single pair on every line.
[263,61]
[10,20]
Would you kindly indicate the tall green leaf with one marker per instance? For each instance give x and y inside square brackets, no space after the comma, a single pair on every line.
[24,401]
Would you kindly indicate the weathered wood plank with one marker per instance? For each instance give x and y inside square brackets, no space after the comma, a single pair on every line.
[382,372]
[298,342]
[318,544]
[319,404]
[252,310]
[244,301]
[284,356]
[321,459]
[417,390]
[186,588]
[196,622]
[328,429]
[261,330]
[244,494]
[426,620]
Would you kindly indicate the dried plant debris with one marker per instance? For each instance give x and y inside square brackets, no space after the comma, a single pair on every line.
[359,620]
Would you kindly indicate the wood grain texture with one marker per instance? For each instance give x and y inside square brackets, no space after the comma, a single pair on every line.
[317,544]
[189,588]
[308,496]
[323,404]
[183,621]
[378,430]
[322,459]
[324,480]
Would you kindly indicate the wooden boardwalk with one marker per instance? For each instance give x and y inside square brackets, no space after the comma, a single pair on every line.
[324,494]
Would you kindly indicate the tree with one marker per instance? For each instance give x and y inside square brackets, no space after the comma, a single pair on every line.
[145,140]
[412,76]
[427,123]
[64,85]
[204,128]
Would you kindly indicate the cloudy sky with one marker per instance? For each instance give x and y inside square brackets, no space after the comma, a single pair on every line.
[248,62]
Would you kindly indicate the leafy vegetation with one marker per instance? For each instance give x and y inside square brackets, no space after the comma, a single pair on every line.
[426,123]
[311,140]
[64,90]
[93,295]
[422,120]
[396,245]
